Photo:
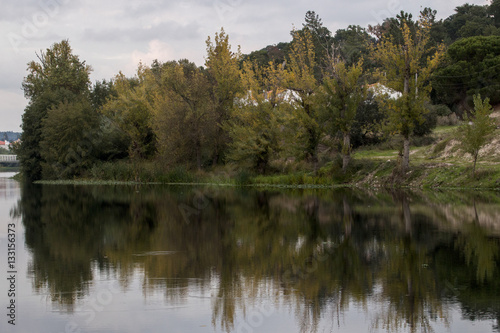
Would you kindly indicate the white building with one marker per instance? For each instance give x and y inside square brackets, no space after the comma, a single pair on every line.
[379,89]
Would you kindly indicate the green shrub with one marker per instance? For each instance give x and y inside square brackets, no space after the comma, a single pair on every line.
[440,146]
[179,174]
[116,171]
[243,177]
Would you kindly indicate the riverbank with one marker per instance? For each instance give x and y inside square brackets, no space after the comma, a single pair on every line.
[364,173]
[436,162]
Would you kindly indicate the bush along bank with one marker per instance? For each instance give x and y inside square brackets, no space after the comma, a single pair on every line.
[363,173]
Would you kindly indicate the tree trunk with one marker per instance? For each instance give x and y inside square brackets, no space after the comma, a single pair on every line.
[215,158]
[405,162]
[312,148]
[198,154]
[346,152]
[315,163]
[474,165]
[406,87]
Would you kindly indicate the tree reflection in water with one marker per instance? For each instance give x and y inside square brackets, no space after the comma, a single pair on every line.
[313,252]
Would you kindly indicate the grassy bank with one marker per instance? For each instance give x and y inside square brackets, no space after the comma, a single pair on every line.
[385,174]
[436,162]
[365,172]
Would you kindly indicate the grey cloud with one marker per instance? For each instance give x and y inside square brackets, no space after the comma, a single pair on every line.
[136,9]
[29,10]
[13,10]
[165,30]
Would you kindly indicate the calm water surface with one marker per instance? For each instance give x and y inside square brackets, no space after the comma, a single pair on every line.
[216,259]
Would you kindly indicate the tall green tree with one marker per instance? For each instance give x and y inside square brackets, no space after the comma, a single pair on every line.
[271,53]
[322,40]
[406,68]
[223,69]
[130,111]
[476,129]
[57,77]
[184,114]
[255,127]
[471,20]
[110,142]
[494,11]
[392,27]
[67,145]
[344,93]
[353,44]
[471,66]
[301,79]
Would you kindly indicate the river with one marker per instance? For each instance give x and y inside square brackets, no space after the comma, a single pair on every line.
[222,259]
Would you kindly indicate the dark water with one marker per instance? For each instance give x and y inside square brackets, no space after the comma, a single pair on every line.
[212,259]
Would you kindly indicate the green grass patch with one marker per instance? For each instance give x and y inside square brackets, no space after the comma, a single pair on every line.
[445,129]
[375,154]
[439,147]
[460,176]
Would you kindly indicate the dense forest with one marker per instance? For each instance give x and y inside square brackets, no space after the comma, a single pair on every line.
[290,106]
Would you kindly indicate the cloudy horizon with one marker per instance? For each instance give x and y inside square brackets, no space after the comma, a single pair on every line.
[115,36]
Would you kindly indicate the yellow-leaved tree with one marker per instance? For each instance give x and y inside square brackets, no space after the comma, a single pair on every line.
[130,111]
[406,66]
[224,72]
[184,117]
[301,80]
[255,126]
[343,92]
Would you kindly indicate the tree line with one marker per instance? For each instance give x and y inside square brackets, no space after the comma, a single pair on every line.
[291,103]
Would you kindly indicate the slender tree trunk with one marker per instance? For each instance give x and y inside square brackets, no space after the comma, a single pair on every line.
[474,165]
[406,88]
[216,154]
[198,154]
[315,163]
[405,162]
[346,151]
[312,148]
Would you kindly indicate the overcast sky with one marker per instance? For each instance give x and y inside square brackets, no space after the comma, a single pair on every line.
[115,35]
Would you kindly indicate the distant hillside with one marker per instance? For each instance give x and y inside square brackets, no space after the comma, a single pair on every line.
[275,53]
[9,136]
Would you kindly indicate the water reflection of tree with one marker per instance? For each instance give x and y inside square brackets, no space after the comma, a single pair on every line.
[309,247]
[408,281]
[57,255]
[479,250]
[66,230]
[481,277]
[310,251]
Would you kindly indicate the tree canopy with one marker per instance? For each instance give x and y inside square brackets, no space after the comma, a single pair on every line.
[406,68]
[477,128]
[471,66]
[57,78]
